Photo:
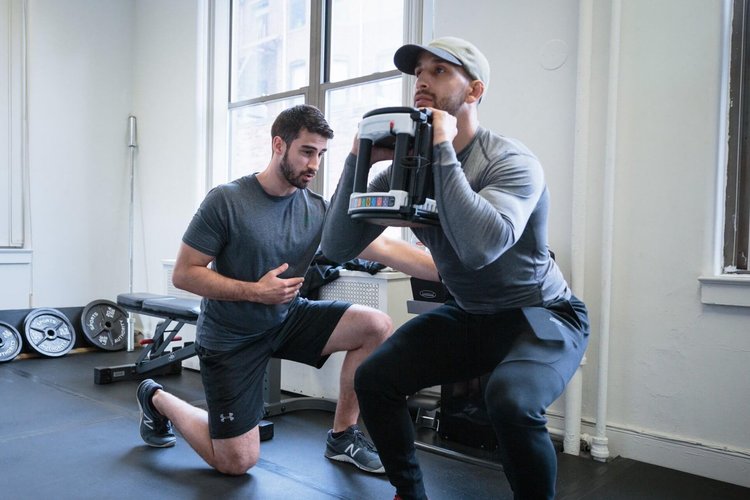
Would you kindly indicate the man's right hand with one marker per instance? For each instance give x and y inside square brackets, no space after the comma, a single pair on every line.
[444,126]
[271,289]
[377,154]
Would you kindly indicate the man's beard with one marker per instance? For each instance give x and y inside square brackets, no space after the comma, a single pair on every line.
[450,104]
[295,180]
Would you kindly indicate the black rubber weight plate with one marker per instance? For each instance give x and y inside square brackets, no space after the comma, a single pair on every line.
[105,325]
[10,342]
[49,332]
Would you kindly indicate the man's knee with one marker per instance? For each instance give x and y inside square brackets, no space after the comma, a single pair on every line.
[376,328]
[235,464]
[235,456]
[520,400]
[381,326]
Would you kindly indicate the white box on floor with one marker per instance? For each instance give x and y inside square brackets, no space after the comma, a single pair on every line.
[386,291]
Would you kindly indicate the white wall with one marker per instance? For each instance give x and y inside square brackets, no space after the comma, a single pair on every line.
[679,368]
[526,99]
[90,65]
[168,105]
[79,96]
[679,393]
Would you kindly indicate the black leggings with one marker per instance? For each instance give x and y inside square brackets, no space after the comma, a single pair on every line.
[531,354]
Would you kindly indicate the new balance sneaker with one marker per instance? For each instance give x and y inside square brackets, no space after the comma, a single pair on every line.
[353,447]
[156,429]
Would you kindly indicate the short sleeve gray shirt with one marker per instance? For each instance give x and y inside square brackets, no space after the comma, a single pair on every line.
[249,232]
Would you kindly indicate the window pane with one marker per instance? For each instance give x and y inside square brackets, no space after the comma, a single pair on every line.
[270,47]
[364,36]
[345,107]
[250,135]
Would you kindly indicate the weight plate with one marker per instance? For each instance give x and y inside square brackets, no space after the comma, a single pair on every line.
[105,325]
[10,342]
[49,332]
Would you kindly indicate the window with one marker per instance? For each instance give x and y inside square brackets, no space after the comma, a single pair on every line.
[334,54]
[11,122]
[737,197]
[297,14]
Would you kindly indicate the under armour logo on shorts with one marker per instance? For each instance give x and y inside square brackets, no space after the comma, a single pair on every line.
[229,417]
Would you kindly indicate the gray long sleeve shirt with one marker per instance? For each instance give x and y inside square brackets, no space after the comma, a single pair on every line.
[491,247]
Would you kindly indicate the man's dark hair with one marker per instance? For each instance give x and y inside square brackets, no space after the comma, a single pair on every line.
[290,123]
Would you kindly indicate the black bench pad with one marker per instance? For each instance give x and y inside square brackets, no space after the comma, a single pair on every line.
[173,307]
[182,309]
[135,300]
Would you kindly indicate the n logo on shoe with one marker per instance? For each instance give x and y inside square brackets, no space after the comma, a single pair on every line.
[229,417]
[351,450]
[148,421]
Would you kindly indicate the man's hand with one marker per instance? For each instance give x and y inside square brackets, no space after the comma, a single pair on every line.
[444,126]
[377,154]
[271,289]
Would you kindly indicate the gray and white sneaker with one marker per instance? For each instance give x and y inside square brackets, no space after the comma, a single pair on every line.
[156,429]
[354,447]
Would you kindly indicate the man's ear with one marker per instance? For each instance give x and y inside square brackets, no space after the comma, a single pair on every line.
[476,91]
[278,146]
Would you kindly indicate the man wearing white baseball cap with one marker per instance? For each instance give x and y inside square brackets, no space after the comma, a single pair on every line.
[512,314]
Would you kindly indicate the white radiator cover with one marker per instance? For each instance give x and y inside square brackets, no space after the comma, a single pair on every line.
[386,291]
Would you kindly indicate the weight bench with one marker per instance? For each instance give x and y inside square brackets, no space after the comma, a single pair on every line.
[156,359]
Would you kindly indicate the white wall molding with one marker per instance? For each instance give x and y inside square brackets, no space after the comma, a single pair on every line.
[714,461]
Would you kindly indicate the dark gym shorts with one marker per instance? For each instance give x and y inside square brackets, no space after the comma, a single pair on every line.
[233,380]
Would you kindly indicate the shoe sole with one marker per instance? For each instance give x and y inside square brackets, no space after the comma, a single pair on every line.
[348,459]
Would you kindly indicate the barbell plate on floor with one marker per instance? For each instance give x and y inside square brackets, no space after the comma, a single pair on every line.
[105,325]
[10,342]
[49,332]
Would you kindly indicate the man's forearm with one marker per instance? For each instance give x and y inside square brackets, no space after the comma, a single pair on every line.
[207,283]
[402,256]
[344,238]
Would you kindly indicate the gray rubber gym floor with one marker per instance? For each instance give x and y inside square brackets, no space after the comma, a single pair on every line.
[62,436]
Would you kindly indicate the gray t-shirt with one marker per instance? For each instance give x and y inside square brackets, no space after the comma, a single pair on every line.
[250,232]
[491,247]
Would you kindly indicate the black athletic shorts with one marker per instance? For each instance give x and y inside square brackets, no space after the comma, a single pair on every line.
[233,380]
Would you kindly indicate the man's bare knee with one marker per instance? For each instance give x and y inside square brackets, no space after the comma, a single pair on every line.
[235,465]
[236,456]
[382,326]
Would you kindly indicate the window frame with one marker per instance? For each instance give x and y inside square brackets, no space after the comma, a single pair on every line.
[736,238]
[415,12]
[12,225]
[724,284]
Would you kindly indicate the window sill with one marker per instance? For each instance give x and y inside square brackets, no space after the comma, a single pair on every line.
[15,256]
[725,290]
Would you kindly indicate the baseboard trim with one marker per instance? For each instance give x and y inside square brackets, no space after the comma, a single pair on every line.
[673,452]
